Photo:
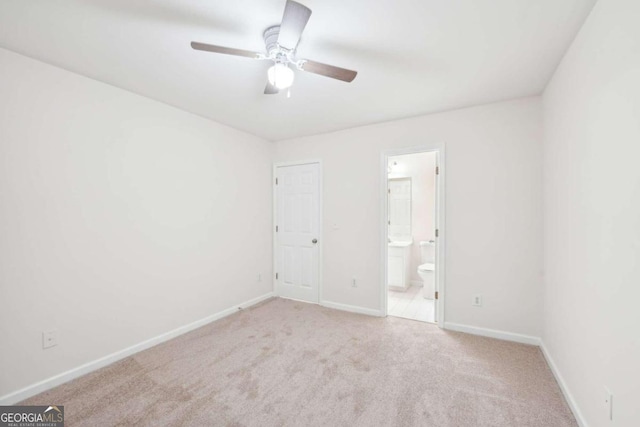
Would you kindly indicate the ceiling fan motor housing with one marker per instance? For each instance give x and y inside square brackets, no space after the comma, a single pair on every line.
[271,39]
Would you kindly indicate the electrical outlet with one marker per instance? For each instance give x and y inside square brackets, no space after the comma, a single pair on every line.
[477,301]
[608,402]
[49,338]
[354,283]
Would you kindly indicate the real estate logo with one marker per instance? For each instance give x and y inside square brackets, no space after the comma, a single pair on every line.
[32,416]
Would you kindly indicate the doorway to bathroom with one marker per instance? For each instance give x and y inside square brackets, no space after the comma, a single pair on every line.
[413,279]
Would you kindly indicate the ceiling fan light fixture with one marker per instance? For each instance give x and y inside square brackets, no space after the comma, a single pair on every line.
[280,76]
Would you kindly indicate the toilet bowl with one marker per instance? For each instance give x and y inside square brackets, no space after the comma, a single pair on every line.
[426,270]
[426,273]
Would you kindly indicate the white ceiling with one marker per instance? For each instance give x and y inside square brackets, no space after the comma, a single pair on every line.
[413,56]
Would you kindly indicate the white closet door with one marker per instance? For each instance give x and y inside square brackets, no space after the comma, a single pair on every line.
[297,220]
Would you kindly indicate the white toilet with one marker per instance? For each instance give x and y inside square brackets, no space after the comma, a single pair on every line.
[426,270]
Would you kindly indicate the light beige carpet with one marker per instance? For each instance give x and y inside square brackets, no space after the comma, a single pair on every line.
[285,363]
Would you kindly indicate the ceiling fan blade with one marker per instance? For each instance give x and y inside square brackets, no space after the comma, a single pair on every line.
[270,89]
[329,71]
[294,20]
[226,50]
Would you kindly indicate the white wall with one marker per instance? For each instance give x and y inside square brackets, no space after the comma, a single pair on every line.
[421,168]
[592,214]
[494,217]
[120,219]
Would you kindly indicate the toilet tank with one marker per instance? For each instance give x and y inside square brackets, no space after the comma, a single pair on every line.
[427,251]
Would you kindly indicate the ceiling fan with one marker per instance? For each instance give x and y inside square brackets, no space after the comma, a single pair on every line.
[281,42]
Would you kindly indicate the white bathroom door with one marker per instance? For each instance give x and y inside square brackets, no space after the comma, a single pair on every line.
[297,228]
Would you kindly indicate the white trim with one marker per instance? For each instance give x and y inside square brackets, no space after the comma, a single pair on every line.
[493,333]
[439,148]
[39,387]
[563,387]
[352,308]
[320,221]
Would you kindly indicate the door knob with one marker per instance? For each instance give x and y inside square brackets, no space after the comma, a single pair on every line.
[314,241]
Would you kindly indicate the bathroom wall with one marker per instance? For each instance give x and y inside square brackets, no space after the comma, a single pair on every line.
[121,219]
[493,211]
[421,168]
[592,216]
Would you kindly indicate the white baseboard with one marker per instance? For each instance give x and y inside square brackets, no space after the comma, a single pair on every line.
[563,386]
[493,333]
[351,308]
[39,387]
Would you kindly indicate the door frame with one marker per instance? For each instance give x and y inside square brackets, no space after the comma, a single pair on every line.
[439,149]
[274,235]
